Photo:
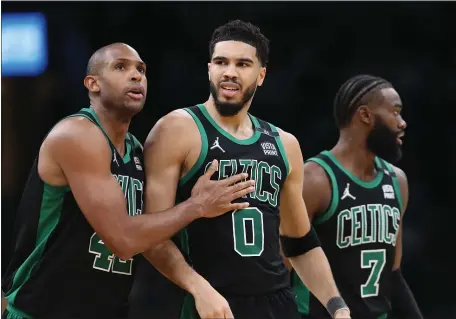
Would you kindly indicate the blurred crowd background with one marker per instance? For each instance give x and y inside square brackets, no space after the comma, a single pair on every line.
[315,47]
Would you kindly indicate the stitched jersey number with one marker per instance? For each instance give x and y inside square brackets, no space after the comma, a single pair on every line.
[105,260]
[376,260]
[244,219]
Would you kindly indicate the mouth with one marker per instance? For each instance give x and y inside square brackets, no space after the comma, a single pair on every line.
[399,138]
[136,93]
[229,89]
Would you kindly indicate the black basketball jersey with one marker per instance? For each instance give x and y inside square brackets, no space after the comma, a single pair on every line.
[60,267]
[358,234]
[238,252]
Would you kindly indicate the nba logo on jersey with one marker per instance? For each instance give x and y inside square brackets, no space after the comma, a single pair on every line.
[388,191]
[138,163]
[269,149]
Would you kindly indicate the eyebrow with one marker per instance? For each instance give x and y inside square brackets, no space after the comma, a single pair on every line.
[129,61]
[240,59]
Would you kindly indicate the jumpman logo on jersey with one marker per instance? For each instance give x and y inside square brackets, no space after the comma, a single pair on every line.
[347,193]
[114,159]
[217,145]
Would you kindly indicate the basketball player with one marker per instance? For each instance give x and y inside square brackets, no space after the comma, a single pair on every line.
[79,221]
[356,200]
[237,268]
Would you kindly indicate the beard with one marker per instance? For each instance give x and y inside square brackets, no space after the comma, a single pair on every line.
[382,141]
[228,109]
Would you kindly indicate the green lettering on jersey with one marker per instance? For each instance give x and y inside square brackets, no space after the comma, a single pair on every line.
[260,172]
[105,260]
[249,218]
[367,224]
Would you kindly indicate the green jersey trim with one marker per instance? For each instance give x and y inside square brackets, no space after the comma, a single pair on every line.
[371,184]
[334,192]
[50,212]
[126,157]
[248,141]
[281,148]
[203,153]
[396,186]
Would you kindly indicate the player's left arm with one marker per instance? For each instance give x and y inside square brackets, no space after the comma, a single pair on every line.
[299,241]
[403,302]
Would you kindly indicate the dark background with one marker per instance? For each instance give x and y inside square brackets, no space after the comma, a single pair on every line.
[315,47]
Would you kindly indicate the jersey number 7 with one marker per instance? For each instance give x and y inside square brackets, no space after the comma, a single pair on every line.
[376,260]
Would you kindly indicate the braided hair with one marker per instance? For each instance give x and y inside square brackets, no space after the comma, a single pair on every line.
[356,91]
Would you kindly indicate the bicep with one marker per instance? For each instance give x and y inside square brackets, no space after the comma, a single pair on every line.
[84,157]
[294,221]
[403,186]
[316,190]
[164,155]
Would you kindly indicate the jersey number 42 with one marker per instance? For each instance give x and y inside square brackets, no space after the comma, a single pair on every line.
[105,260]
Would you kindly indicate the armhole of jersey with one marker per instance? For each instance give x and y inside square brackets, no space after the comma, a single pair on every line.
[281,147]
[397,188]
[203,152]
[97,125]
[334,192]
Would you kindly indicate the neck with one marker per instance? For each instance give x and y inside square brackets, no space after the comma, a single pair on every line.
[115,125]
[232,124]
[353,154]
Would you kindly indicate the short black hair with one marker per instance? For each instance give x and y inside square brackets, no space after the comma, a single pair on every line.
[356,91]
[98,60]
[246,32]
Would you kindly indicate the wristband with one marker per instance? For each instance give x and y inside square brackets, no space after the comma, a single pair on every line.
[334,304]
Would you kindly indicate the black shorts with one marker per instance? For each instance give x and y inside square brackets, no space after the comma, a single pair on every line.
[279,304]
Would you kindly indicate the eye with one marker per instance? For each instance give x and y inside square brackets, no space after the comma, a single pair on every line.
[120,67]
[141,69]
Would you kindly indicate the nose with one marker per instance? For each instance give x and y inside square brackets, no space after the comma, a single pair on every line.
[136,76]
[230,71]
[402,123]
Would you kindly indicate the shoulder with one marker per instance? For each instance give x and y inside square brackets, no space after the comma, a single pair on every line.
[75,132]
[177,126]
[290,142]
[315,175]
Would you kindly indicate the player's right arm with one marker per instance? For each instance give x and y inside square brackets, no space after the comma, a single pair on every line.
[174,143]
[76,153]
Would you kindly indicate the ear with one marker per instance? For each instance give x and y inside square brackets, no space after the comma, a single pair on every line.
[91,83]
[261,76]
[365,115]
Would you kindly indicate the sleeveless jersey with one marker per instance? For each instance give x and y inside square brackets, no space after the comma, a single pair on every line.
[238,252]
[60,267]
[358,234]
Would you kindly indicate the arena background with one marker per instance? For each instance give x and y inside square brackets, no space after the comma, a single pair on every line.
[314,48]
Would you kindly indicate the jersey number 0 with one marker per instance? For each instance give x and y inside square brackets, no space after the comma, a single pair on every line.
[250,218]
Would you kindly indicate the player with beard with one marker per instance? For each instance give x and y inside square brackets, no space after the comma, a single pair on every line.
[80,221]
[356,200]
[237,267]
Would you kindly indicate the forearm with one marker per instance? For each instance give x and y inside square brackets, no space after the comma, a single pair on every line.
[147,230]
[168,259]
[403,303]
[314,270]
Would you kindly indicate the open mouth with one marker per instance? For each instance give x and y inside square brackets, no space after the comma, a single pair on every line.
[136,93]
[229,89]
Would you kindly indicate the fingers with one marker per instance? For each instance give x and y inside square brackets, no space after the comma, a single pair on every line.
[228,314]
[212,169]
[241,193]
[234,179]
[237,206]
[243,185]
